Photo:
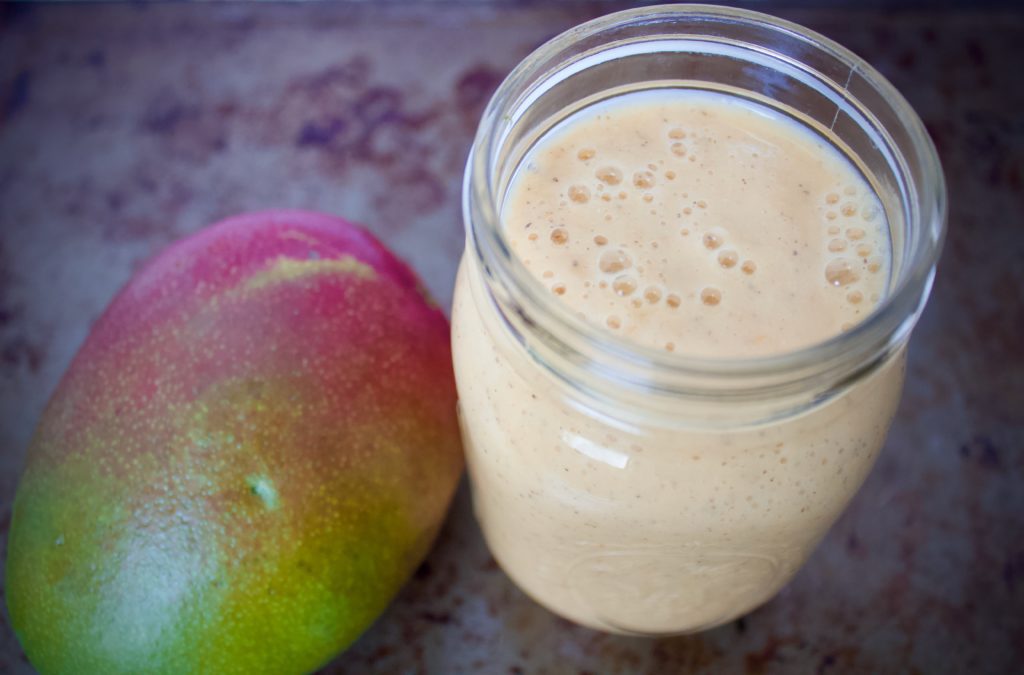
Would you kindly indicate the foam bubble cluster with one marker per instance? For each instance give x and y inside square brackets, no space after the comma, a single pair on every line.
[666,227]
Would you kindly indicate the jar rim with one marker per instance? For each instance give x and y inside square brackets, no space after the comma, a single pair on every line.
[836,359]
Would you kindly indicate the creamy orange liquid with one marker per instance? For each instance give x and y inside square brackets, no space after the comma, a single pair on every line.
[697,223]
[702,225]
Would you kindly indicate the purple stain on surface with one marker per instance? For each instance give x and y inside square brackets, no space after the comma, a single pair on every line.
[17,94]
[976,54]
[1013,570]
[10,311]
[854,546]
[317,133]
[97,58]
[907,59]
[163,117]
[983,451]
[443,618]
[115,200]
[475,87]
[19,351]
[378,104]
[380,653]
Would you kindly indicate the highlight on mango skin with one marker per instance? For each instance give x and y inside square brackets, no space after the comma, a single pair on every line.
[254,448]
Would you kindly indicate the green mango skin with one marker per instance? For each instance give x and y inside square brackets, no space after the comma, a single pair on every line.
[250,454]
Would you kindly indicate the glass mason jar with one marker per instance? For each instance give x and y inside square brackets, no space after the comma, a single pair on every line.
[638,491]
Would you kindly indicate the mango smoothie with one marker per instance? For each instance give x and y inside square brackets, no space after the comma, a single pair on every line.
[680,325]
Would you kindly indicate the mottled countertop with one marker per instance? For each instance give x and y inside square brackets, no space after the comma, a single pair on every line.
[123,127]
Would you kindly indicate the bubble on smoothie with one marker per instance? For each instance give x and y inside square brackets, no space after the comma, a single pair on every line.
[864,250]
[678,149]
[673,300]
[840,272]
[837,245]
[609,175]
[559,235]
[600,239]
[831,215]
[848,209]
[637,302]
[869,212]
[833,229]
[548,274]
[676,133]
[579,194]
[670,346]
[652,294]
[831,198]
[685,232]
[875,264]
[854,297]
[623,195]
[532,236]
[710,296]
[701,204]
[855,233]
[614,261]
[650,198]
[712,241]
[606,197]
[728,259]
[613,322]
[586,153]
[624,285]
[670,175]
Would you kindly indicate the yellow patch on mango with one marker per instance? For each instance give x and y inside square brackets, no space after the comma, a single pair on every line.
[295,235]
[284,270]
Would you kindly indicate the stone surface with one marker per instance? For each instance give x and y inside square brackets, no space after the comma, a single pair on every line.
[123,127]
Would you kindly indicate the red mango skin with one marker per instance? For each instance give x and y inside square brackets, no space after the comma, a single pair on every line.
[250,454]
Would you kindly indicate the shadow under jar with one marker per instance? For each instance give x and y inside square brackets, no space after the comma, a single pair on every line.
[637,490]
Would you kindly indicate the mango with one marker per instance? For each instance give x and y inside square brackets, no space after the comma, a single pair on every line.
[254,448]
